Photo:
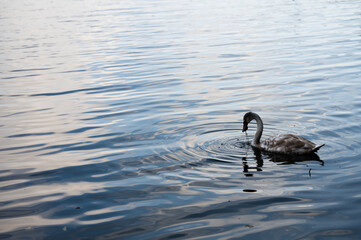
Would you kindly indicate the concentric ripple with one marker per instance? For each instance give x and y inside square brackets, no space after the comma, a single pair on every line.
[221,141]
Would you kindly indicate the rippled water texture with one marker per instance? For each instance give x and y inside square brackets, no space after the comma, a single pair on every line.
[123,119]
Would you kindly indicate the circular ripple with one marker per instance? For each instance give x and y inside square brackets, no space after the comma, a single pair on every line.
[220,141]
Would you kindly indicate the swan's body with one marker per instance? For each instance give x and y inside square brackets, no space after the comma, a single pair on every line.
[283,143]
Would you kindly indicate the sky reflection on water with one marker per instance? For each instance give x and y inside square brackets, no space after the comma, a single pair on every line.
[123,119]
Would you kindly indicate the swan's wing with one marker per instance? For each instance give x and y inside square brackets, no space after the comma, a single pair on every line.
[288,144]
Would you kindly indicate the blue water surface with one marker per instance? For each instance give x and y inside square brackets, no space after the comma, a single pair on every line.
[122,119]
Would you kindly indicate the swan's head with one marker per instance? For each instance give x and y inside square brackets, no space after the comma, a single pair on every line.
[246,119]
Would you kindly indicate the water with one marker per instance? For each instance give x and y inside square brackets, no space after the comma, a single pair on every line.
[123,119]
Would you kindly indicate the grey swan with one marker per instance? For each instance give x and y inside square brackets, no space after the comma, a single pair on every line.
[283,143]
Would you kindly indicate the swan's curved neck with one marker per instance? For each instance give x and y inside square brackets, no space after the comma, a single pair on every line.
[258,135]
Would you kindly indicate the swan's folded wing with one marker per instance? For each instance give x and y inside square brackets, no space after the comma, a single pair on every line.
[288,144]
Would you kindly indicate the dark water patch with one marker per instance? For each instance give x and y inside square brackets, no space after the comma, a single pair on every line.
[249,190]
[22,147]
[30,134]
[30,70]
[18,212]
[83,129]
[25,112]
[75,71]
[29,200]
[87,90]
[23,76]
[5,236]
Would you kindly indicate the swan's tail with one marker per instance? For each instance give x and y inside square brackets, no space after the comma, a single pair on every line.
[318,147]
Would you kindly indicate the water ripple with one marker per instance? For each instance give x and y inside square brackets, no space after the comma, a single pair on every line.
[125,122]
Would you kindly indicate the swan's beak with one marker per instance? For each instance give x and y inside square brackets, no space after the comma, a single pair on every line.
[245,127]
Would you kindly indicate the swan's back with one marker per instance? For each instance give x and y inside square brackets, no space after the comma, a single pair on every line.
[289,144]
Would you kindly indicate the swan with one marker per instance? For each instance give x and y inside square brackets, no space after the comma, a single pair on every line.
[283,143]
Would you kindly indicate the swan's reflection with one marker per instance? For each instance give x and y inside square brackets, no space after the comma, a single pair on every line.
[285,159]
[259,163]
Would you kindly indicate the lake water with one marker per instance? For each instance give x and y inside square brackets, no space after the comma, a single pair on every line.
[123,119]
